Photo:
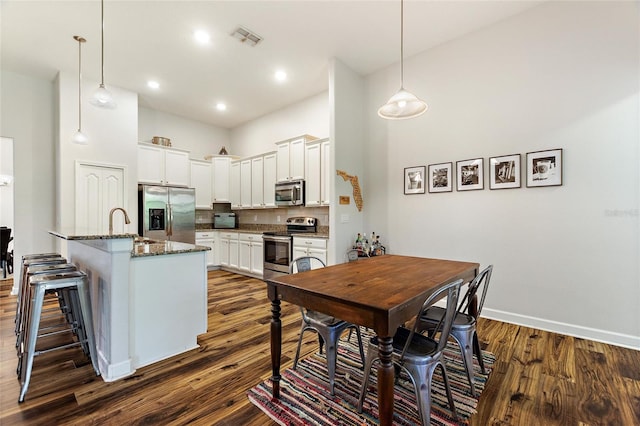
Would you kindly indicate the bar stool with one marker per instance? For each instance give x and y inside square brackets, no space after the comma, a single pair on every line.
[26,258]
[65,301]
[23,290]
[38,285]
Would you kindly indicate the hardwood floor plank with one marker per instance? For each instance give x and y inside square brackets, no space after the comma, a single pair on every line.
[539,378]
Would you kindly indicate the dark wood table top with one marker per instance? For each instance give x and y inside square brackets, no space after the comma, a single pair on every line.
[380,292]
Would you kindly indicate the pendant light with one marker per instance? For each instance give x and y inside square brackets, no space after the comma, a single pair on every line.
[79,137]
[403,104]
[102,97]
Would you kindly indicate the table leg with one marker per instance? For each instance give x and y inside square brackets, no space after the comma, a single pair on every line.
[385,380]
[276,343]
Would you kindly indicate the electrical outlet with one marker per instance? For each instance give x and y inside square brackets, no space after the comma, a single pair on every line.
[255,217]
[277,218]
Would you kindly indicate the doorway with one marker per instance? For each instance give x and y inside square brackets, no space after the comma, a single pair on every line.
[6,207]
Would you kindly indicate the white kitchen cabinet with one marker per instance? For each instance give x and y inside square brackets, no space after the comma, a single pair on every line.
[263,180]
[269,179]
[229,249]
[221,178]
[250,253]
[326,173]
[208,239]
[291,158]
[257,177]
[234,185]
[309,246]
[163,166]
[245,183]
[317,179]
[201,181]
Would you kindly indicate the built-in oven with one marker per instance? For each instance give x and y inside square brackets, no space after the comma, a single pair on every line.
[278,245]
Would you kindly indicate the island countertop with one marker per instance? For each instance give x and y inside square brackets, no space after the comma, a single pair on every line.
[141,246]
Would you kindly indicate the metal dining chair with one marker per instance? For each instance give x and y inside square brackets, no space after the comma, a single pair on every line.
[329,329]
[463,329]
[419,355]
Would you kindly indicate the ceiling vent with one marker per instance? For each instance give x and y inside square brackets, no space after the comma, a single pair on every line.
[245,36]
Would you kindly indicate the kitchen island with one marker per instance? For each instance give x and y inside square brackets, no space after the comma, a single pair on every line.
[149,297]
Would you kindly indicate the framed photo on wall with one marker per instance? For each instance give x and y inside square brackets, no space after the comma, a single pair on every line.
[470,174]
[414,180]
[504,172]
[440,177]
[544,168]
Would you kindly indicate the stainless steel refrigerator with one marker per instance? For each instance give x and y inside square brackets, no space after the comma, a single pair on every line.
[167,213]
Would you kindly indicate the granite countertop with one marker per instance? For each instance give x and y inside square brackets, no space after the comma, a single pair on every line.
[159,248]
[74,235]
[323,231]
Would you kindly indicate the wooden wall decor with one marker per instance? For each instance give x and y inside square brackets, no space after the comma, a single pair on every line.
[357,193]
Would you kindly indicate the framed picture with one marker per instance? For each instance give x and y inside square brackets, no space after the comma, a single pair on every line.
[544,168]
[470,174]
[414,180]
[504,172]
[440,177]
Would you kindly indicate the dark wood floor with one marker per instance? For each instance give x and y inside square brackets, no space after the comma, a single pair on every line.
[540,378]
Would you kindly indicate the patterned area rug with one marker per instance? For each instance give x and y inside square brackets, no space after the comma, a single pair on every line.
[305,398]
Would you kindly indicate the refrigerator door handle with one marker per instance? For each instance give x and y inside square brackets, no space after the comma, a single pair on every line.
[170,227]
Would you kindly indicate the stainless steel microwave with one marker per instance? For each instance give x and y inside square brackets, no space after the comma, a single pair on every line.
[290,193]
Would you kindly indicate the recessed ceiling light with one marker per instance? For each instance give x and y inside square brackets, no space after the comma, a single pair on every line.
[202,37]
[220,106]
[153,84]
[280,75]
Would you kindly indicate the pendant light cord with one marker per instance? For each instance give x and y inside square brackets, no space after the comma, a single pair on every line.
[80,40]
[402,44]
[102,38]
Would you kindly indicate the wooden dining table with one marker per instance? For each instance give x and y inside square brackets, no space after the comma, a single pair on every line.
[380,293]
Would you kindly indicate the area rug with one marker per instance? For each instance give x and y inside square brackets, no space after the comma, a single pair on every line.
[305,398]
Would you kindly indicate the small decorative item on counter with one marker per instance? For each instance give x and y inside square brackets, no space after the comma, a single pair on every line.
[366,248]
[223,151]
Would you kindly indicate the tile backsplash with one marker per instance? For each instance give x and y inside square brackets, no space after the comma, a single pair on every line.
[276,216]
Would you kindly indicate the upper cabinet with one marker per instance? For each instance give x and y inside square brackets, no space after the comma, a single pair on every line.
[291,158]
[263,180]
[234,185]
[221,173]
[245,183]
[317,173]
[163,166]
[201,181]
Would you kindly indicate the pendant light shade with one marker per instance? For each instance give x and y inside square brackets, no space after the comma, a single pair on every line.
[403,104]
[102,97]
[79,137]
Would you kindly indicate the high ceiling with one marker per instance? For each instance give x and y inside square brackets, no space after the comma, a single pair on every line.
[153,40]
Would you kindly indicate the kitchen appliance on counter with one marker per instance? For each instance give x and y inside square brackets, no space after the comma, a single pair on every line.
[290,193]
[224,220]
[278,246]
[167,213]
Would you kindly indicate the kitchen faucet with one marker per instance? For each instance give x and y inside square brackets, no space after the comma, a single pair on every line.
[126,218]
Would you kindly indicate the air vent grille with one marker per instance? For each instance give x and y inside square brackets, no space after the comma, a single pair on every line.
[246,36]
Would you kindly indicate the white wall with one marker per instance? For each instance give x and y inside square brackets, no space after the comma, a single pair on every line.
[562,75]
[310,116]
[113,141]
[199,138]
[348,151]
[26,115]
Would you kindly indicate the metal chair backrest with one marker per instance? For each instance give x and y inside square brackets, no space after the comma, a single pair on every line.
[452,291]
[305,263]
[481,280]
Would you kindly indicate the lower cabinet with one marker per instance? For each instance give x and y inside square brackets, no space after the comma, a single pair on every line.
[208,239]
[241,252]
[307,246]
[251,257]
[229,249]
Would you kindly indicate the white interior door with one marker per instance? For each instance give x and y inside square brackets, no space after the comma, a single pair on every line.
[98,189]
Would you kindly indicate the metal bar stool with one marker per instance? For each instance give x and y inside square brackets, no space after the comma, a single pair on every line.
[65,302]
[29,259]
[38,285]
[23,291]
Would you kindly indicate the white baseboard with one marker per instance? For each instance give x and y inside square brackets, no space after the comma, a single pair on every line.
[604,336]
